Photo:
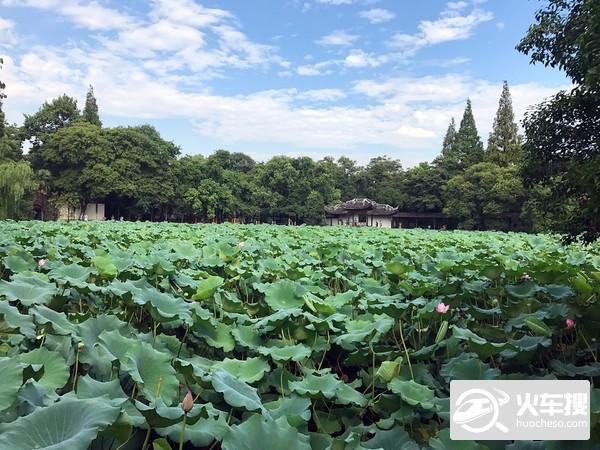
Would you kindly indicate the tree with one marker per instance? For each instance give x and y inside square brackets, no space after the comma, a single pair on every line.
[423,185]
[2,97]
[16,186]
[504,142]
[90,111]
[381,180]
[143,166]
[485,196]
[562,135]
[449,138]
[38,128]
[80,161]
[16,177]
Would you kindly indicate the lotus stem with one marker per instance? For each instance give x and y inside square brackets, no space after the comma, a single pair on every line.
[182,434]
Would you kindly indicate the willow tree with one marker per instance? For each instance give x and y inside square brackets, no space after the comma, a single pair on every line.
[16,184]
[16,177]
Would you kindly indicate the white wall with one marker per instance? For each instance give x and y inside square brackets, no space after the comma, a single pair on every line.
[94,211]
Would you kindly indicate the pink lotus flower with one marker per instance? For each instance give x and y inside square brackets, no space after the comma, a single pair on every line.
[570,323]
[241,244]
[442,308]
[188,402]
[41,263]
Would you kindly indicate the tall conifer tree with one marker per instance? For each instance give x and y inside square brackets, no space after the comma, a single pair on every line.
[90,112]
[504,141]
[449,138]
[467,148]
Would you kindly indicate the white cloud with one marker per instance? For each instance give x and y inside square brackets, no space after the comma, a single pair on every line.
[188,12]
[338,38]
[311,70]
[90,15]
[452,25]
[500,25]
[7,34]
[377,15]
[335,2]
[409,115]
[414,132]
[358,58]
[457,5]
[321,95]
[165,80]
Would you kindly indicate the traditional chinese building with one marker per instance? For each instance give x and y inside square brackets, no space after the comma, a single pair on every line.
[364,212]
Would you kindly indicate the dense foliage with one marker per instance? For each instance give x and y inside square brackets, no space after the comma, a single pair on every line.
[286,337]
[562,148]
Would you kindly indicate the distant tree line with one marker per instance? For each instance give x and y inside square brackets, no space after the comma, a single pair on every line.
[546,181]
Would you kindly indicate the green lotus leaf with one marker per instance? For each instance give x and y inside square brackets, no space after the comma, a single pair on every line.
[247,336]
[55,369]
[443,442]
[165,307]
[284,294]
[389,369]
[295,409]
[358,330]
[19,263]
[479,345]
[56,320]
[87,387]
[412,393]
[207,287]
[345,395]
[105,266]
[161,444]
[467,366]
[74,274]
[296,352]
[571,370]
[526,289]
[153,372]
[236,392]
[12,378]
[28,290]
[70,424]
[538,326]
[17,321]
[249,370]
[326,385]
[201,434]
[581,284]
[558,291]
[395,439]
[257,433]
[216,334]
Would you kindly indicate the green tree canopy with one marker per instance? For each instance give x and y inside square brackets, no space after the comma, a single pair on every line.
[485,196]
[51,117]
[562,135]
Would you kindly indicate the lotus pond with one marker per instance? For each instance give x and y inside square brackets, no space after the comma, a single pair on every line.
[157,336]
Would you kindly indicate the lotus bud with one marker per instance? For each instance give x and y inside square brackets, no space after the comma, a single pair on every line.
[570,323]
[188,402]
[80,346]
[41,263]
[442,308]
[241,244]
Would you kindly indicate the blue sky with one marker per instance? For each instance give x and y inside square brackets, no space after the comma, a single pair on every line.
[359,78]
